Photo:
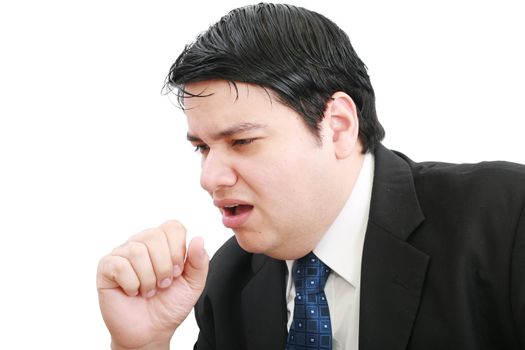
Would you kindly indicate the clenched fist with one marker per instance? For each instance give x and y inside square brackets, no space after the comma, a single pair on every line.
[148,286]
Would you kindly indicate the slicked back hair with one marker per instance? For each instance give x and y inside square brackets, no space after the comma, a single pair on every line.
[299,55]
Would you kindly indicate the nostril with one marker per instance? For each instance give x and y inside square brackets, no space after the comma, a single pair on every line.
[213,179]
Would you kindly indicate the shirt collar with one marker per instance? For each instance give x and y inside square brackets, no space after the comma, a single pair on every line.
[341,247]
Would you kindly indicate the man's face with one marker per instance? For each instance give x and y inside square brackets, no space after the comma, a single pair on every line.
[266,172]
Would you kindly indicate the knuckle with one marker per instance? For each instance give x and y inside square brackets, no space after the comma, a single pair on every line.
[112,267]
[153,236]
[146,235]
[136,249]
[103,267]
[119,266]
[174,226]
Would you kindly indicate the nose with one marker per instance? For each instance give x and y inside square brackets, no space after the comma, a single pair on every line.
[216,172]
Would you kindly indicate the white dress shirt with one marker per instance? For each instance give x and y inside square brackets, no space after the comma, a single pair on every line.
[341,248]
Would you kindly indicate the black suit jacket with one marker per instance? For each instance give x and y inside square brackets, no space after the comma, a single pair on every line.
[443,266]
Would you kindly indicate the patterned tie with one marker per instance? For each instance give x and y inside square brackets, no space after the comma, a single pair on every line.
[310,327]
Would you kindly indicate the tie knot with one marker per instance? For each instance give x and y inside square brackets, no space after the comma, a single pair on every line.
[310,274]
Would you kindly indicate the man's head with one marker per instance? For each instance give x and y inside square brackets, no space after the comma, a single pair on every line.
[300,55]
[276,186]
[282,111]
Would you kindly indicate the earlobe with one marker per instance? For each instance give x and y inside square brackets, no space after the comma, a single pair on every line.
[344,124]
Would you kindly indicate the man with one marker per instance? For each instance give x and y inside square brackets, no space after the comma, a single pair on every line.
[415,256]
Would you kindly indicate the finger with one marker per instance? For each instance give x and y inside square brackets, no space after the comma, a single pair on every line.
[176,236]
[196,265]
[138,256]
[117,272]
[159,252]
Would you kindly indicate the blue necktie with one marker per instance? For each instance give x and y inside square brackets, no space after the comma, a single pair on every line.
[310,327]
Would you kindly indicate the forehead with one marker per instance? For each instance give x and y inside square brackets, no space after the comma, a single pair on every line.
[217,104]
[219,94]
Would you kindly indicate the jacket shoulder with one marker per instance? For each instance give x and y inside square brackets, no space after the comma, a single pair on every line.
[498,180]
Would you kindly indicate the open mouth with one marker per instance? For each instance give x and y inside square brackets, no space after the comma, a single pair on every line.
[237,209]
[235,213]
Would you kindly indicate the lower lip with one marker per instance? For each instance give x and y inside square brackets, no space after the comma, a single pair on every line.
[235,221]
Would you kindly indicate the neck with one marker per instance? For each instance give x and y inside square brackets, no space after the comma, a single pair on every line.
[349,172]
[342,185]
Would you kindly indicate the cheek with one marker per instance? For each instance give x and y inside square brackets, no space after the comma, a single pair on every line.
[277,175]
[286,184]
[287,175]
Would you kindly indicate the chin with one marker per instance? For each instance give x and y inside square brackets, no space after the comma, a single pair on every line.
[249,245]
[251,241]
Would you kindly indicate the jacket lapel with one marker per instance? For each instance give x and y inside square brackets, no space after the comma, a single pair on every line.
[393,272]
[264,305]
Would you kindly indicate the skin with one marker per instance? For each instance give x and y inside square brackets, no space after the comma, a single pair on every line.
[255,151]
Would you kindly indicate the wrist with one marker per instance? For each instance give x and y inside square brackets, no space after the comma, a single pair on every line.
[153,346]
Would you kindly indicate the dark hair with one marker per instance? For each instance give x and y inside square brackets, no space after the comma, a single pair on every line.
[300,55]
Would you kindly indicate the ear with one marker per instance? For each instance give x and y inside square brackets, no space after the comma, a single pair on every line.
[342,119]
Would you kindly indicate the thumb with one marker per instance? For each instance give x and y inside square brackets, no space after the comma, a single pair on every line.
[196,264]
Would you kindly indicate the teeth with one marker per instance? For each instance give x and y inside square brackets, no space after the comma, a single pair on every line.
[232,209]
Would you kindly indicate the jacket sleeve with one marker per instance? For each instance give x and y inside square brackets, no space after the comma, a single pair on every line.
[204,316]
[517,287]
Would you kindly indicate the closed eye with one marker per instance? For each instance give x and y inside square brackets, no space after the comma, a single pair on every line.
[241,142]
[202,148]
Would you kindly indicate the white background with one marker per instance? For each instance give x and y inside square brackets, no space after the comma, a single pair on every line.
[91,152]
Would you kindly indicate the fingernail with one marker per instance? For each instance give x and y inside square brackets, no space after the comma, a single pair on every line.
[151,293]
[165,283]
[176,271]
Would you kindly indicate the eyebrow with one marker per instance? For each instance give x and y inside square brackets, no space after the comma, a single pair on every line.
[236,129]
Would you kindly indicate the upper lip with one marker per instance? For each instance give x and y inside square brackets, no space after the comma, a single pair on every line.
[228,202]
